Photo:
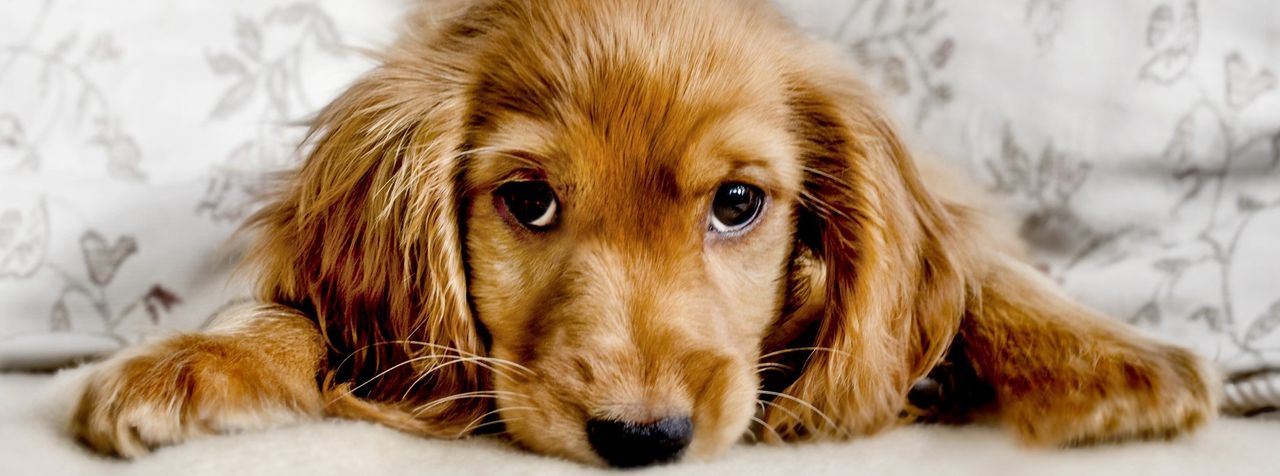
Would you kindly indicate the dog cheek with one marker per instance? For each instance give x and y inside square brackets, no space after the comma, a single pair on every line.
[724,395]
[545,424]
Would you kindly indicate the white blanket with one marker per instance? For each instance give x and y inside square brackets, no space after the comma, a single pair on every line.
[33,415]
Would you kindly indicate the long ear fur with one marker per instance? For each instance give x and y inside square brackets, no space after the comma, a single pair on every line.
[365,240]
[892,284]
[905,274]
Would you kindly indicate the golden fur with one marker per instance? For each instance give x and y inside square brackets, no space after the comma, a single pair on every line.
[399,293]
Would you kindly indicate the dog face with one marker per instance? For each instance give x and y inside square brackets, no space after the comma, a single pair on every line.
[596,219]
[629,241]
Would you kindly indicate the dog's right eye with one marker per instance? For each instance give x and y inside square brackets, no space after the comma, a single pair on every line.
[735,207]
[532,204]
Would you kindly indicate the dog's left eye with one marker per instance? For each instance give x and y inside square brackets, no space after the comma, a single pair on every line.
[533,204]
[735,207]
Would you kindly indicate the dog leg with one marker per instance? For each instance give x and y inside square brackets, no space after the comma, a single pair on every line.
[256,368]
[1064,375]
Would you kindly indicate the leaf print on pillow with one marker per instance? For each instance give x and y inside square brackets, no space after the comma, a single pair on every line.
[224,64]
[235,99]
[1264,324]
[1243,85]
[1045,17]
[268,55]
[11,133]
[60,318]
[895,76]
[1149,314]
[239,184]
[942,53]
[124,156]
[906,45]
[1174,33]
[159,301]
[102,259]
[1197,149]
[250,38]
[1211,316]
[17,154]
[24,241]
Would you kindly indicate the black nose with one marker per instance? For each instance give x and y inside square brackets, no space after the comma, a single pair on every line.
[626,444]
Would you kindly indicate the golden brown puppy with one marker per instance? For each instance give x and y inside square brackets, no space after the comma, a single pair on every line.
[601,223]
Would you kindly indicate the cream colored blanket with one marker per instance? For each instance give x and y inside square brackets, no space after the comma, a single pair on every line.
[33,414]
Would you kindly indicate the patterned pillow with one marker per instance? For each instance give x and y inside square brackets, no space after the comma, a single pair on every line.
[1139,143]
[132,141]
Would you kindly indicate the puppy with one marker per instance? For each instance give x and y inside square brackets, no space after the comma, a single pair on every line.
[627,231]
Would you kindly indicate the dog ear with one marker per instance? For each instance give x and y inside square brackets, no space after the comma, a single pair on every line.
[892,286]
[365,239]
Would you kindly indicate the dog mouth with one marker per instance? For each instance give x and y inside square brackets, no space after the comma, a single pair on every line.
[623,426]
[636,436]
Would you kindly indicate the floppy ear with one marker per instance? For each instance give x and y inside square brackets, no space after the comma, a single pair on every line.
[365,240]
[905,274]
[892,284]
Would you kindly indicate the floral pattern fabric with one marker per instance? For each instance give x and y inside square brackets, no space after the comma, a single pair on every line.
[1138,143]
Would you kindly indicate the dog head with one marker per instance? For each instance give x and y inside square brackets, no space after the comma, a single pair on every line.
[600,221]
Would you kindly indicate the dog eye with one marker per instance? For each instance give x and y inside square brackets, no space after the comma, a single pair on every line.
[533,204]
[735,207]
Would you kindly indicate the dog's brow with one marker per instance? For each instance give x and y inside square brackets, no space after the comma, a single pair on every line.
[757,172]
[742,147]
[703,175]
[519,145]
[516,158]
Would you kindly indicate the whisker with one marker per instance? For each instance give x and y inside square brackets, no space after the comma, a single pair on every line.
[481,361]
[771,365]
[767,427]
[472,354]
[802,349]
[471,426]
[780,408]
[432,370]
[751,434]
[384,372]
[808,405]
[433,346]
[482,425]
[774,366]
[494,394]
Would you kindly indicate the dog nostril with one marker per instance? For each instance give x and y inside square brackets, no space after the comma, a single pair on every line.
[625,444]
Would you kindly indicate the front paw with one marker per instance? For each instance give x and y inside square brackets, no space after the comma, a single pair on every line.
[1157,393]
[164,394]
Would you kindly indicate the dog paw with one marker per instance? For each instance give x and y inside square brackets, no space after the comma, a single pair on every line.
[164,394]
[1129,395]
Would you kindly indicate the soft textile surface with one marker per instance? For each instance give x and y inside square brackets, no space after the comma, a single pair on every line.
[33,411]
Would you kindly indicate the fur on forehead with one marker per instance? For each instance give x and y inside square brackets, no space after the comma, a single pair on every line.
[735,148]
[689,104]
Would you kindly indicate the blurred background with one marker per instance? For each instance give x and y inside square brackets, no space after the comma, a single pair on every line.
[1137,141]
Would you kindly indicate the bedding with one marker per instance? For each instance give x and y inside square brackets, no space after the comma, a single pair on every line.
[1138,143]
[34,409]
